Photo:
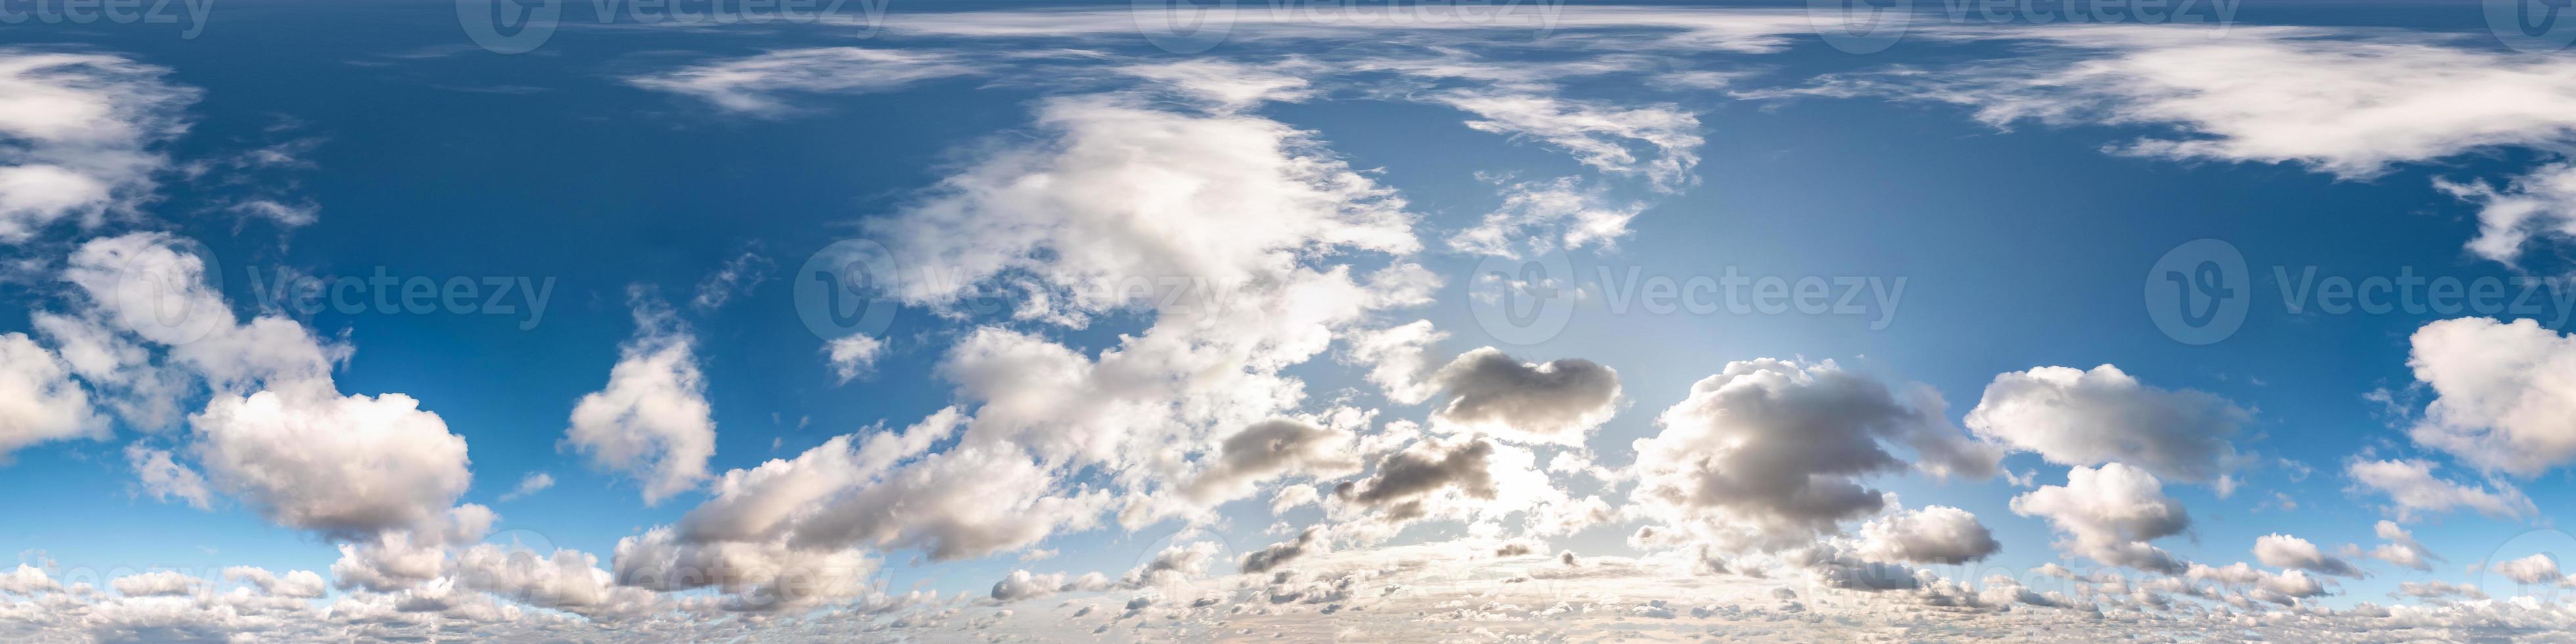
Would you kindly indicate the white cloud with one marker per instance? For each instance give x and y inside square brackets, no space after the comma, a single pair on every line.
[78,136]
[2538,568]
[651,421]
[1770,453]
[1598,134]
[155,583]
[530,484]
[1560,401]
[1931,535]
[1225,85]
[164,478]
[2413,490]
[2077,417]
[760,85]
[295,583]
[852,355]
[2503,393]
[2401,549]
[2110,514]
[2285,551]
[39,401]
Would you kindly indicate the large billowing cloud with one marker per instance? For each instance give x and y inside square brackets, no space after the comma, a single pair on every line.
[2110,514]
[652,420]
[1554,402]
[79,134]
[2505,393]
[2080,417]
[1771,453]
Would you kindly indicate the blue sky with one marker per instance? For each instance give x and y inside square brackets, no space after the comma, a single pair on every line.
[1225,318]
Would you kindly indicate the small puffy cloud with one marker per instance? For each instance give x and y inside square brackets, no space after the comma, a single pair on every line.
[2502,395]
[1279,554]
[2285,551]
[2401,549]
[852,355]
[165,479]
[1554,402]
[2078,417]
[1404,478]
[1931,535]
[652,420]
[531,484]
[2109,514]
[2539,568]
[2413,491]
[347,466]
[1272,448]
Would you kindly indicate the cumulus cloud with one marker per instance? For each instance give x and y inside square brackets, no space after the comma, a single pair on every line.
[2285,551]
[39,401]
[2110,514]
[79,136]
[1931,535]
[852,355]
[761,85]
[1270,448]
[2501,393]
[1558,401]
[2401,549]
[651,421]
[2539,568]
[164,478]
[1770,452]
[2414,491]
[2080,417]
